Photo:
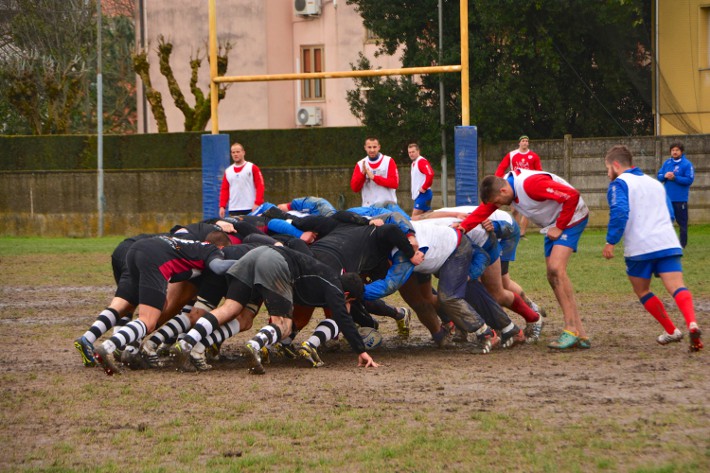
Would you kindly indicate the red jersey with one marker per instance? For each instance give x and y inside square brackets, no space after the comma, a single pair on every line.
[518,160]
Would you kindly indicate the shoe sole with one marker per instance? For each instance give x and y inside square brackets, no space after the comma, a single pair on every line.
[104,359]
[199,366]
[88,363]
[696,344]
[404,331]
[255,366]
[675,340]
[306,355]
[182,359]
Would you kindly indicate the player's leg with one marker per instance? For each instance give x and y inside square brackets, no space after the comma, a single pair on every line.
[673,281]
[680,209]
[561,285]
[106,319]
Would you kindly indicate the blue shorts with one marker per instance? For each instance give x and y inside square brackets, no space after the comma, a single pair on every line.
[569,238]
[509,245]
[423,200]
[645,268]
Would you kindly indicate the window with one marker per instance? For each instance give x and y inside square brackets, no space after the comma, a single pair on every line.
[312,61]
[704,38]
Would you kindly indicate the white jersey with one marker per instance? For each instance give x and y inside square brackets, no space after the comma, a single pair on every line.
[441,240]
[418,177]
[242,192]
[543,213]
[649,227]
[373,193]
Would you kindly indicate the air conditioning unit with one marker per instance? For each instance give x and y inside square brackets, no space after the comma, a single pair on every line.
[309,116]
[307,7]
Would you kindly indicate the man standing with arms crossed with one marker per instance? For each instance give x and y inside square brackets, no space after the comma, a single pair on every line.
[550,202]
[521,158]
[242,186]
[422,179]
[375,176]
[639,212]
[677,175]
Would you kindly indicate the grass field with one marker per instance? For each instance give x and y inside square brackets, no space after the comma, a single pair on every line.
[627,404]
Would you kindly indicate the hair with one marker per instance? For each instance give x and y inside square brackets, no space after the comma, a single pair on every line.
[352,284]
[236,144]
[413,145]
[677,144]
[523,137]
[620,154]
[372,138]
[218,238]
[490,187]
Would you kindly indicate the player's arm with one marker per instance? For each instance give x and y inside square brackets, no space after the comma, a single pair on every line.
[426,169]
[358,178]
[335,300]
[223,196]
[397,274]
[618,198]
[503,166]
[662,173]
[686,176]
[391,180]
[258,185]
[542,187]
[477,217]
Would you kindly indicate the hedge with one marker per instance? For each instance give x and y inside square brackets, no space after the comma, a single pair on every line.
[267,148]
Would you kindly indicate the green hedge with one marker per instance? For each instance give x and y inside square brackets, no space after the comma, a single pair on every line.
[267,148]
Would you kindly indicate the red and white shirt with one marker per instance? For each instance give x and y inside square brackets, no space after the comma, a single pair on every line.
[545,198]
[517,160]
[383,187]
[422,176]
[242,187]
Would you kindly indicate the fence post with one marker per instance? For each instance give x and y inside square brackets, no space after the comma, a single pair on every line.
[567,158]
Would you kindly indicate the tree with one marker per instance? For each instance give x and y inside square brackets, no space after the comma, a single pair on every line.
[544,68]
[197,117]
[47,60]
[43,62]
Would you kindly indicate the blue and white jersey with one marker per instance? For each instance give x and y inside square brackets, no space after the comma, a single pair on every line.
[640,212]
[678,188]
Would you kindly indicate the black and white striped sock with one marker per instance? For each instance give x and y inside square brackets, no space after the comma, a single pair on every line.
[225,331]
[266,337]
[171,329]
[326,330]
[132,332]
[207,324]
[106,319]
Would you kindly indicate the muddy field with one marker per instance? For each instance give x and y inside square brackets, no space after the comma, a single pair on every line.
[626,404]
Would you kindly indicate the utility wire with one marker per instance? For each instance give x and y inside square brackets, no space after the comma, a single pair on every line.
[590,90]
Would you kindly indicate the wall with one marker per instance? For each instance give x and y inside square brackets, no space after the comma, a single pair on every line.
[684,66]
[581,162]
[63,203]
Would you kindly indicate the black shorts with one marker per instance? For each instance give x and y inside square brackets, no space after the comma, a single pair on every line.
[145,283]
[265,270]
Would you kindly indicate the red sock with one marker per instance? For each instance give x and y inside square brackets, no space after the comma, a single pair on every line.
[654,306]
[684,301]
[519,306]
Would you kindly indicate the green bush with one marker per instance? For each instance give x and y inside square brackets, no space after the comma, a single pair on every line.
[267,148]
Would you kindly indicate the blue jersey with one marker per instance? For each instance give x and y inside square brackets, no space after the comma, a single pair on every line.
[678,188]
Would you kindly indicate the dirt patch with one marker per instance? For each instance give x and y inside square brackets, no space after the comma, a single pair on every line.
[57,413]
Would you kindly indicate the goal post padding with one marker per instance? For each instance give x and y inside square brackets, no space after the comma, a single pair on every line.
[466,152]
[215,159]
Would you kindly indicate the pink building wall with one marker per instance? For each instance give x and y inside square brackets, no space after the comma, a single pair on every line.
[267,36]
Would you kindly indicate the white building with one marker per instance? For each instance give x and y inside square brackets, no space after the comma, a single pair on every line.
[269,37]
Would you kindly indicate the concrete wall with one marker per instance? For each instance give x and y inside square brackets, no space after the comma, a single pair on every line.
[63,203]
